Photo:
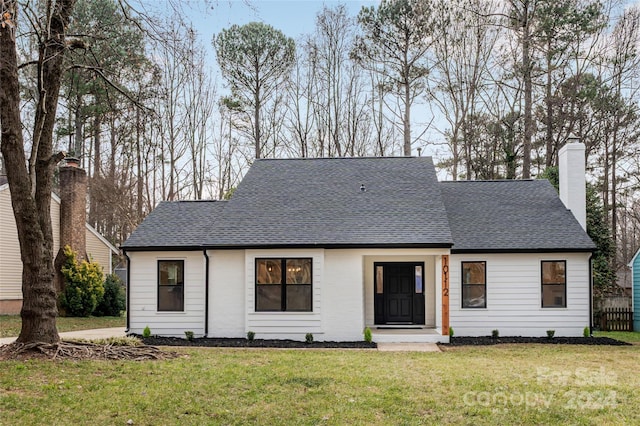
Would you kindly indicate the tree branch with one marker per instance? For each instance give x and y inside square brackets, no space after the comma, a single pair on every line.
[123,92]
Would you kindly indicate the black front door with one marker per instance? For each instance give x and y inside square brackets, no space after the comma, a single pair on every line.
[399,293]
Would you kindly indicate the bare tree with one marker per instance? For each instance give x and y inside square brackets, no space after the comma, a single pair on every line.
[396,40]
[31,187]
[463,57]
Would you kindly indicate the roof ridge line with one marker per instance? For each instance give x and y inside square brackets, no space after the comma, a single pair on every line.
[491,180]
[340,158]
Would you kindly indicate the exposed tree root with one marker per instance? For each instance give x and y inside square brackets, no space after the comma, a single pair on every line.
[79,350]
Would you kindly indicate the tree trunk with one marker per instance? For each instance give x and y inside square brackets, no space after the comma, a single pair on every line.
[528,92]
[78,143]
[140,178]
[256,124]
[94,182]
[407,117]
[549,161]
[32,210]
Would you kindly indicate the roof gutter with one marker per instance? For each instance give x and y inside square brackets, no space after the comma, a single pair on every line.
[513,250]
[590,294]
[206,293]
[128,288]
[291,246]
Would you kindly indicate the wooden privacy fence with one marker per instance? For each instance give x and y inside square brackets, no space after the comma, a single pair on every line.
[615,319]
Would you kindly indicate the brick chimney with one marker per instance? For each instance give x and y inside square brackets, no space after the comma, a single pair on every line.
[73,213]
[571,171]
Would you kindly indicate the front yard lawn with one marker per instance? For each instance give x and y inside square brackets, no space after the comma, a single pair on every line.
[10,324]
[505,384]
[625,336]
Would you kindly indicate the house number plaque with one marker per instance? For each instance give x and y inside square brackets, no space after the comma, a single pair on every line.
[445,295]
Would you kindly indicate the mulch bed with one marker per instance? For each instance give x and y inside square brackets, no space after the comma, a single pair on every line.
[256,343]
[294,344]
[488,340]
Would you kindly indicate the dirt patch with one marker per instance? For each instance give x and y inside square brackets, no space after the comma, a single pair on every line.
[256,343]
[488,340]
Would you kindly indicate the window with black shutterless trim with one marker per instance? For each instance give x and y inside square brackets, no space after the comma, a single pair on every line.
[474,284]
[170,285]
[283,284]
[554,283]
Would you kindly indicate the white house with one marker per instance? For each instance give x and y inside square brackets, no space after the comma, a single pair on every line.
[331,246]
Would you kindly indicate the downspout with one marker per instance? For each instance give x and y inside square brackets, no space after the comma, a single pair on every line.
[591,295]
[206,294]
[128,289]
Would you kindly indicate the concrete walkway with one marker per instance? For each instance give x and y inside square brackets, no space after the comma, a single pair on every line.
[98,333]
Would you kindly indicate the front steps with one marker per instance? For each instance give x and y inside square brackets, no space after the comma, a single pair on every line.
[407,335]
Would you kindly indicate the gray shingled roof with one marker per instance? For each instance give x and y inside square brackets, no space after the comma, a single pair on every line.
[179,224]
[318,202]
[515,215]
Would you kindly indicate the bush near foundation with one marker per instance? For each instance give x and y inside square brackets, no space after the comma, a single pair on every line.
[114,300]
[83,285]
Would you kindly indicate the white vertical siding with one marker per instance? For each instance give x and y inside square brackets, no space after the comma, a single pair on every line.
[285,325]
[226,293]
[143,294]
[514,296]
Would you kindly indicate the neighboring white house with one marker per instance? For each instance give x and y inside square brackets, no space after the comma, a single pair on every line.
[97,247]
[331,246]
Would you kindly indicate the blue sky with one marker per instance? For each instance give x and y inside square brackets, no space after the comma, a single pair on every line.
[292,17]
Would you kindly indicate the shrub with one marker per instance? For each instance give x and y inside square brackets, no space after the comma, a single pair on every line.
[550,333]
[251,335]
[586,332]
[451,332]
[189,335]
[367,335]
[308,338]
[114,300]
[495,333]
[83,285]
[146,332]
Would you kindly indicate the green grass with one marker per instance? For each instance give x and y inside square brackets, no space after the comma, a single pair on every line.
[625,336]
[10,324]
[506,384]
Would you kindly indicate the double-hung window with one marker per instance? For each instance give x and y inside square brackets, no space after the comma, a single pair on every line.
[283,284]
[170,285]
[554,284]
[474,284]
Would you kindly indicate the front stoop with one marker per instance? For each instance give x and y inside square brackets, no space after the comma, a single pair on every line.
[399,335]
[408,347]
